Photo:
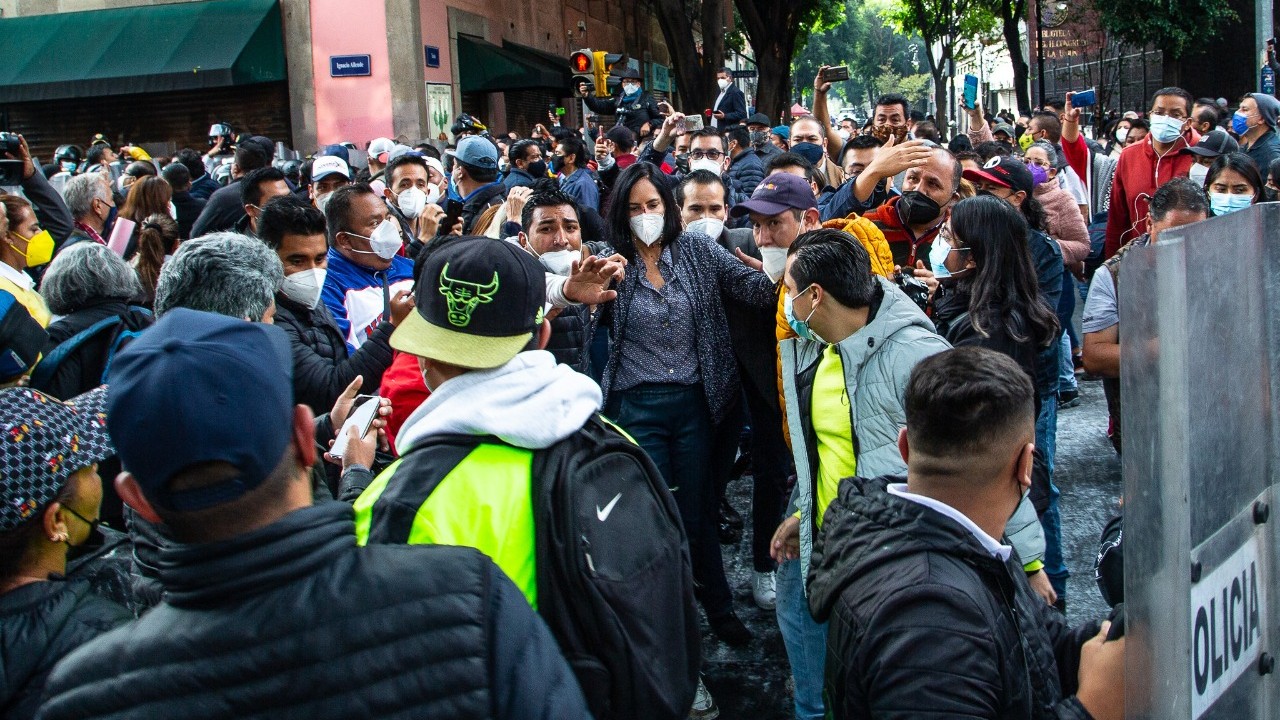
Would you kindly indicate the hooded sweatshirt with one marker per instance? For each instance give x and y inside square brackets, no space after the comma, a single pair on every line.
[531,402]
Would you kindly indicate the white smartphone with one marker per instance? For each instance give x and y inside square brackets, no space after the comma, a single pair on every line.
[363,411]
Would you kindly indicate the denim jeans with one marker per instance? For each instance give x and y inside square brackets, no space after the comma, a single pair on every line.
[1050,520]
[1066,367]
[805,639]
[673,424]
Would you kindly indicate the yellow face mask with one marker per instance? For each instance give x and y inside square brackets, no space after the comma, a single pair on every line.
[1025,141]
[39,248]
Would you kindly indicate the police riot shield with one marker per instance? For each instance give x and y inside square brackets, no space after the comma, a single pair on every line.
[1200,382]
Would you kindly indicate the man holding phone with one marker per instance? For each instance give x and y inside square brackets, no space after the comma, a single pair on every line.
[730,107]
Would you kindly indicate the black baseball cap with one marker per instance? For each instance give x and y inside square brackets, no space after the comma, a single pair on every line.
[1005,171]
[1215,143]
[759,119]
[479,303]
[780,191]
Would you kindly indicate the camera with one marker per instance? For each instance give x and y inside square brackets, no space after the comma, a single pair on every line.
[914,289]
[10,143]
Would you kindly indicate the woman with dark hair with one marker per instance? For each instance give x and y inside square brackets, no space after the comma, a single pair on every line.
[23,244]
[49,497]
[157,239]
[1273,181]
[671,376]
[995,303]
[148,196]
[1234,183]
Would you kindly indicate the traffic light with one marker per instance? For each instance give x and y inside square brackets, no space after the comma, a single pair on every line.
[598,68]
[582,63]
[607,68]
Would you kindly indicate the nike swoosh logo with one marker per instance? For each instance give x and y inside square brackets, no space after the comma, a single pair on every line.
[604,514]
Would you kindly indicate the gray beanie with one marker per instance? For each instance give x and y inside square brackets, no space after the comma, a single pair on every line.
[1268,107]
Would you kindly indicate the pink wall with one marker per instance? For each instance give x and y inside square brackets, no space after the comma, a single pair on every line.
[357,109]
[435,32]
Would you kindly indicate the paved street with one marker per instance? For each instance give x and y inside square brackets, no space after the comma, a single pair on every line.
[751,683]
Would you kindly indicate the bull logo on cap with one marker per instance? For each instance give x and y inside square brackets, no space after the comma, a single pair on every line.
[463,297]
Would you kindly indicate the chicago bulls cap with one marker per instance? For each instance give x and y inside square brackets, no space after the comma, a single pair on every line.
[479,303]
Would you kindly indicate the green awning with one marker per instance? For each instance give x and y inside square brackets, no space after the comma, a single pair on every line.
[485,67]
[142,49]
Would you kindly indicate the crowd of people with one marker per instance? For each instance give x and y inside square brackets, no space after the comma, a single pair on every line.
[446,431]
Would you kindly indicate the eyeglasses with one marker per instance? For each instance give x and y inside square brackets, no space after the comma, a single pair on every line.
[705,155]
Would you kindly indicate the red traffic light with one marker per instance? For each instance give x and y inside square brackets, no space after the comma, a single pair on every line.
[581,62]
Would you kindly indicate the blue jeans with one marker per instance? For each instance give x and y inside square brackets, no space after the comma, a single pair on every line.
[673,425]
[1050,519]
[1066,367]
[805,639]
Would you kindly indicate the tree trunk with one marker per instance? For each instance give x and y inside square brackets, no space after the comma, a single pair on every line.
[937,70]
[771,29]
[1010,14]
[694,77]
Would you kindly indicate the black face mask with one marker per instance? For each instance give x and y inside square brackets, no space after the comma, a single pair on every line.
[557,164]
[537,169]
[916,208]
[759,138]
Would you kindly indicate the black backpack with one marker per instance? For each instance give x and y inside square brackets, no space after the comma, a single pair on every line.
[117,331]
[615,583]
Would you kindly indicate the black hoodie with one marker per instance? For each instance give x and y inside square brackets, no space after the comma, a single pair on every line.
[925,622]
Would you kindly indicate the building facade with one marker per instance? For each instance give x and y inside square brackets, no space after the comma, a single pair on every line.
[303,72]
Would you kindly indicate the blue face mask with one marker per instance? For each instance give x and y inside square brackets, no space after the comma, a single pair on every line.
[1165,129]
[1239,123]
[938,257]
[110,222]
[634,91]
[801,327]
[1224,203]
[809,151]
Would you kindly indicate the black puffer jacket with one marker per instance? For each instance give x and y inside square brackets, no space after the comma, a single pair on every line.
[296,621]
[925,622]
[746,171]
[321,367]
[571,333]
[41,623]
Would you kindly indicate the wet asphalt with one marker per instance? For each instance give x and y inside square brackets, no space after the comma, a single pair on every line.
[751,683]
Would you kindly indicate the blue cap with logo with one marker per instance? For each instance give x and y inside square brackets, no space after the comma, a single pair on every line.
[201,388]
[780,191]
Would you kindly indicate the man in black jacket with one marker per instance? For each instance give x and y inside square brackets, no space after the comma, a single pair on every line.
[730,107]
[322,368]
[746,169]
[188,206]
[930,614]
[272,609]
[224,209]
[632,105]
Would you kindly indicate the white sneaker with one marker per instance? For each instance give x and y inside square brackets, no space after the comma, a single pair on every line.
[704,706]
[764,589]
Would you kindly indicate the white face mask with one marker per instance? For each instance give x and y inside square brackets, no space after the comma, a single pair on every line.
[411,201]
[433,192]
[304,287]
[385,241]
[559,262]
[775,261]
[711,166]
[630,88]
[1121,135]
[709,226]
[1198,173]
[723,83]
[322,200]
[648,227]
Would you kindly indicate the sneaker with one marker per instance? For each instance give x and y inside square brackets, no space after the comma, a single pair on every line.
[1068,399]
[764,589]
[704,706]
